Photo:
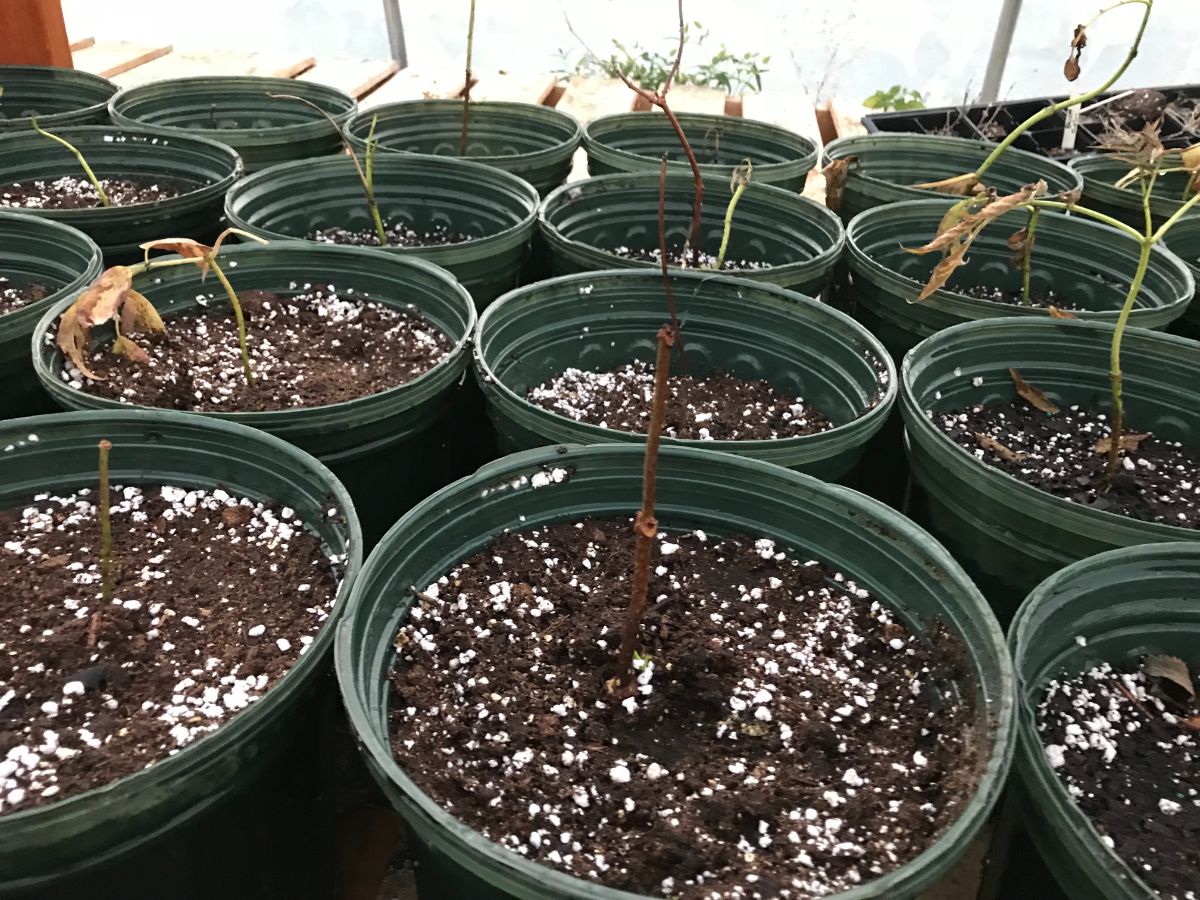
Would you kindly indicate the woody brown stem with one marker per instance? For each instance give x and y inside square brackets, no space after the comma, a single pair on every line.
[106,585]
[462,138]
[659,98]
[645,526]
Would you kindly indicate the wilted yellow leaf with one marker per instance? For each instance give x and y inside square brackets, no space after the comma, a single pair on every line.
[1129,441]
[123,346]
[1031,395]
[987,442]
[139,314]
[185,247]
[959,185]
[1056,313]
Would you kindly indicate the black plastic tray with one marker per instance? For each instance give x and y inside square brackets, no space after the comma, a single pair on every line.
[991,122]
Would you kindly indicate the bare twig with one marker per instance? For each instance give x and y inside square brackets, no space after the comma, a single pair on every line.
[106,585]
[645,526]
[659,98]
[462,138]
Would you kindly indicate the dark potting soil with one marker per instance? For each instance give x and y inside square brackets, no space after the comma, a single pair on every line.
[714,407]
[1014,298]
[1133,770]
[789,736]
[398,235]
[675,257]
[1157,482]
[70,192]
[16,294]
[214,598]
[315,347]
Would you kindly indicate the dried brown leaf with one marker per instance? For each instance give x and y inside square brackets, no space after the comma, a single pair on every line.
[53,562]
[1018,243]
[1070,197]
[185,247]
[72,339]
[959,186]
[1129,441]
[1056,313]
[1071,68]
[955,214]
[138,314]
[123,346]
[987,442]
[1172,669]
[99,303]
[1031,395]
[835,181]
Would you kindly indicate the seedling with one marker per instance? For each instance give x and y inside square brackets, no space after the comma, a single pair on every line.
[112,298]
[365,169]
[1148,159]
[87,169]
[106,580]
[462,139]
[897,97]
[645,525]
[737,183]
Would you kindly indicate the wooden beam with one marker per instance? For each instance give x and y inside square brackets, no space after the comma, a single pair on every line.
[108,59]
[375,81]
[32,33]
[83,45]
[297,68]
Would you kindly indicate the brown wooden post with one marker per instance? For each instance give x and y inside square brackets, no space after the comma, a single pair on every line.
[32,32]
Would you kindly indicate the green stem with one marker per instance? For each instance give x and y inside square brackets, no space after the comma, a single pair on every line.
[1078,99]
[1178,214]
[1088,213]
[737,195]
[462,138]
[369,183]
[1027,259]
[87,170]
[237,314]
[1114,361]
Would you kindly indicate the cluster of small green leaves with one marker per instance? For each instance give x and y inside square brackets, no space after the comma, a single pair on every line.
[897,97]
[733,73]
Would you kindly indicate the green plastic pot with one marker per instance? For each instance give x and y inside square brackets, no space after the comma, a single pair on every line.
[235,110]
[531,141]
[721,493]
[1009,534]
[49,847]
[636,141]
[1083,260]
[56,97]
[1124,603]
[62,258]
[885,167]
[1100,172]
[383,446]
[114,152]
[581,223]
[598,320]
[1184,241]
[497,209]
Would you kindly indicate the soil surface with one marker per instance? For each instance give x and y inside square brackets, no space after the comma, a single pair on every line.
[1131,767]
[675,257]
[214,598]
[1015,298]
[70,192]
[16,294]
[399,235]
[715,407]
[788,738]
[1157,482]
[315,347]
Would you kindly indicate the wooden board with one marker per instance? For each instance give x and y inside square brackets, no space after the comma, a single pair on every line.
[186,64]
[687,98]
[32,33]
[357,77]
[846,116]
[112,58]
[588,98]
[516,88]
[416,84]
